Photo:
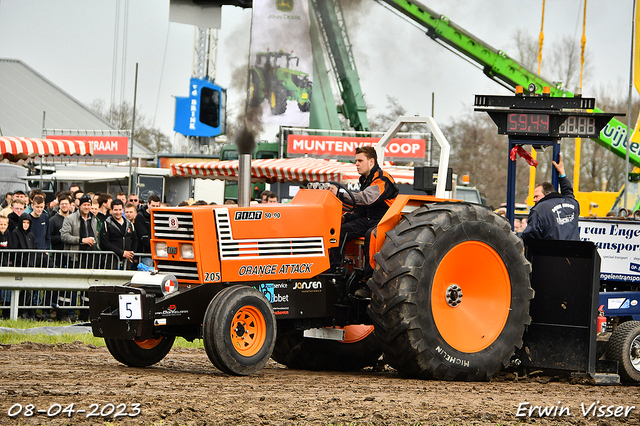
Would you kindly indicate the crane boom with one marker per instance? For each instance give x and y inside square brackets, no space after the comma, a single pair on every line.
[498,66]
[334,34]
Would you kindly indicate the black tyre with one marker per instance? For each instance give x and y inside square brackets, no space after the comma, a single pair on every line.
[239,330]
[256,94]
[624,347]
[301,353]
[136,353]
[278,99]
[306,106]
[451,293]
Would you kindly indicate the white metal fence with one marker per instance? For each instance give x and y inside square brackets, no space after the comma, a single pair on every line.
[34,282]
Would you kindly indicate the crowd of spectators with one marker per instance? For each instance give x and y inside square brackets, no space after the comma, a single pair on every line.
[78,222]
[81,222]
[78,229]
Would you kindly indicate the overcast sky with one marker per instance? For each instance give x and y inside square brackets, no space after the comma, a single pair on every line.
[71,43]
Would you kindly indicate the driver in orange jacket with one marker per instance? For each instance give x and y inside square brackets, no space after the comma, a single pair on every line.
[378,190]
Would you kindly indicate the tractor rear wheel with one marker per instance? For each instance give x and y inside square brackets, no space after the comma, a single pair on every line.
[451,293]
[139,353]
[277,98]
[624,347]
[239,330]
[360,349]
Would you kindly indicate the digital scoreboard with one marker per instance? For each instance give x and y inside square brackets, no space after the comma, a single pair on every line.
[541,121]
[543,116]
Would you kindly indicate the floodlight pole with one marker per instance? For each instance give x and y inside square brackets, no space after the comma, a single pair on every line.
[133,122]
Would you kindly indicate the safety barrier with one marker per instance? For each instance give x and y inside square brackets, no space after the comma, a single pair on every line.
[42,280]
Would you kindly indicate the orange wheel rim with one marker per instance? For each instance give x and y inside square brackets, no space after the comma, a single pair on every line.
[148,343]
[248,330]
[471,296]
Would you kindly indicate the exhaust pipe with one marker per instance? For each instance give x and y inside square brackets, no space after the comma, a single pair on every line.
[246,143]
[244,180]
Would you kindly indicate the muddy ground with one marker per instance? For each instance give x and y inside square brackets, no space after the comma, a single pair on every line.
[185,389]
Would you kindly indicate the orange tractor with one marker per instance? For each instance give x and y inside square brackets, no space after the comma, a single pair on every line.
[450,290]
[255,282]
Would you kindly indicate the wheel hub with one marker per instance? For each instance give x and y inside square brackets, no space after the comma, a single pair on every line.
[240,329]
[634,353]
[453,295]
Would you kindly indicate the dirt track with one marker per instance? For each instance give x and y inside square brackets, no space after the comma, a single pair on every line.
[186,389]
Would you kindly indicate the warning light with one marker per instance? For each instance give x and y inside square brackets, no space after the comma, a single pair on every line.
[519,90]
[465,179]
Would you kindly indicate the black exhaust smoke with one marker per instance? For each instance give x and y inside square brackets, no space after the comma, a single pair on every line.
[246,141]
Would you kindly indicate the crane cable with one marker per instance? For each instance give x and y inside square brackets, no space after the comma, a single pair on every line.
[534,154]
[576,164]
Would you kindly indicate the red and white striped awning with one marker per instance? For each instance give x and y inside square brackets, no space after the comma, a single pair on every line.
[284,170]
[16,149]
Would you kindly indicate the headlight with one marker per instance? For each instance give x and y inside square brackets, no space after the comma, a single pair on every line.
[186,251]
[161,249]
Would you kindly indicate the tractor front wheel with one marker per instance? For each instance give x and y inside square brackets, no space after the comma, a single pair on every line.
[256,92]
[305,106]
[451,293]
[239,330]
[360,349]
[139,353]
[624,347]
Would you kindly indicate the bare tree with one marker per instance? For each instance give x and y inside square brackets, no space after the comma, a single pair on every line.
[120,116]
[527,47]
[479,151]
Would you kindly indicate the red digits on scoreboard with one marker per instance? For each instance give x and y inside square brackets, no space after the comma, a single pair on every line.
[523,122]
[544,123]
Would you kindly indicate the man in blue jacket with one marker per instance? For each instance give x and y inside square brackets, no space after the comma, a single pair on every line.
[555,215]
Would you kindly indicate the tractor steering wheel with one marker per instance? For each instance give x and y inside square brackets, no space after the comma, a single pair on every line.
[347,206]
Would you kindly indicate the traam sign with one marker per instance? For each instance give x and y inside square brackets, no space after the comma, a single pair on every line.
[345,147]
[103,146]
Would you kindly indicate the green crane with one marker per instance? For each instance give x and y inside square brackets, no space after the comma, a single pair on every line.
[333,32]
[498,66]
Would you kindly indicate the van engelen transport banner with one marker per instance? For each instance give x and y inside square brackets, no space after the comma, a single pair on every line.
[618,244]
[338,147]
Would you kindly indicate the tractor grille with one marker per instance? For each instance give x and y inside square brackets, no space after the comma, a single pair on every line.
[263,247]
[181,270]
[173,225]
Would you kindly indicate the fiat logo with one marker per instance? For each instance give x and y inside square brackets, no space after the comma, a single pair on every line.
[173,222]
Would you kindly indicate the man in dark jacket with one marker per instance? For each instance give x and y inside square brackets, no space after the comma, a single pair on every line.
[378,190]
[17,208]
[555,215]
[142,233]
[40,223]
[119,236]
[55,223]
[79,232]
[144,213]
[22,239]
